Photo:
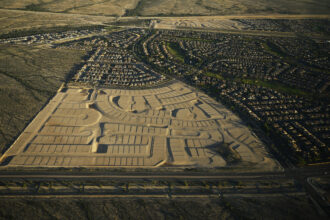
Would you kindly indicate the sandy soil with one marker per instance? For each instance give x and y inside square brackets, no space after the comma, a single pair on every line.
[22,20]
[29,75]
[91,7]
[172,125]
[172,7]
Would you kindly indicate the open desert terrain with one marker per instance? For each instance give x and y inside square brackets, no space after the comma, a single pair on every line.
[287,207]
[171,7]
[26,20]
[29,77]
[21,20]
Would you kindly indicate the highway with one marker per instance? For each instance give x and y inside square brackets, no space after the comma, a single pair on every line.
[150,195]
[300,175]
[117,176]
[304,172]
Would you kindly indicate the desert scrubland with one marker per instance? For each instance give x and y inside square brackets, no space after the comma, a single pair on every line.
[171,7]
[29,77]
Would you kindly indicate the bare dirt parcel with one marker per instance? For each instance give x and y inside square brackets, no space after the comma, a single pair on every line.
[168,125]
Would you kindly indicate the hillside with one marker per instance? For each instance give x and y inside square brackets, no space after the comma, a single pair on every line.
[171,7]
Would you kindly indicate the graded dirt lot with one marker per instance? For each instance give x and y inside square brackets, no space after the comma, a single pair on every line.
[227,23]
[11,20]
[168,125]
[171,7]
[29,76]
[229,7]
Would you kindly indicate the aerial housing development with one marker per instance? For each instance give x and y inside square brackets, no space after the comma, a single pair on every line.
[117,111]
[134,75]
[216,109]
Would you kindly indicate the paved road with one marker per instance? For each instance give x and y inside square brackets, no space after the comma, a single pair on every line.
[141,176]
[305,172]
[299,174]
[152,195]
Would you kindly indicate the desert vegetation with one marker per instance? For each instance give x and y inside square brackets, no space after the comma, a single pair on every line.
[29,76]
[170,7]
[288,207]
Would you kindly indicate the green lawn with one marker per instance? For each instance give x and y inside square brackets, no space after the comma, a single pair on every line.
[218,76]
[174,49]
[276,86]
